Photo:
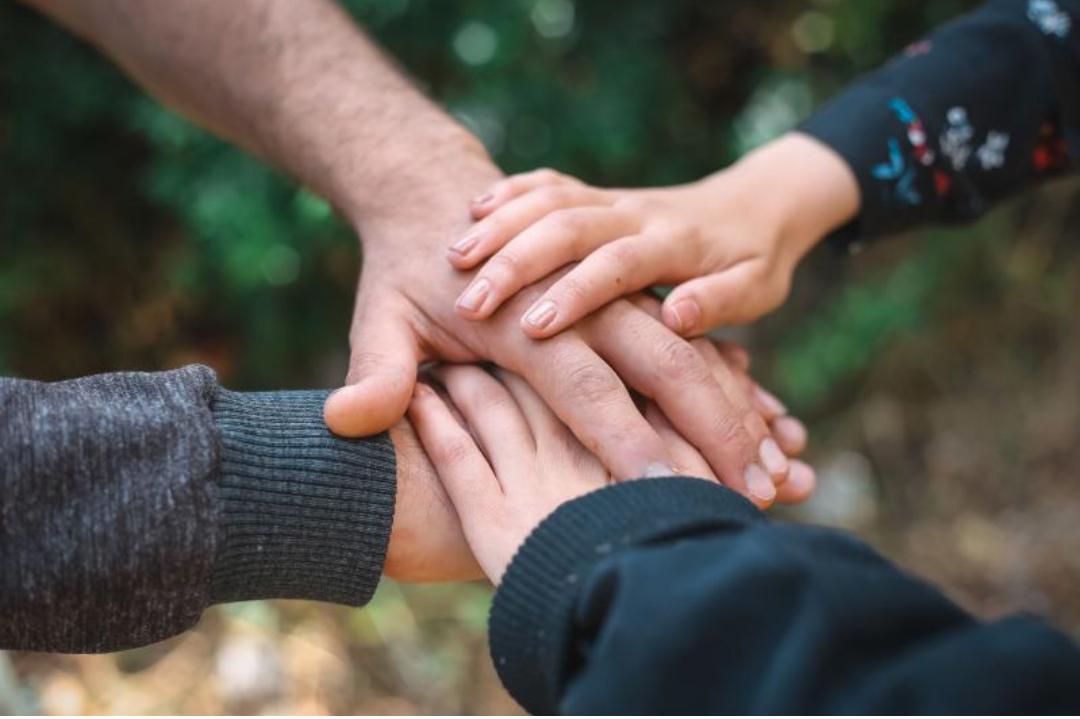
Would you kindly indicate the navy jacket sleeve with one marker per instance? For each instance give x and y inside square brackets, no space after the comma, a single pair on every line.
[986,106]
[676,597]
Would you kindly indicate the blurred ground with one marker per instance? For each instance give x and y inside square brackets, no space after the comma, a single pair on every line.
[939,373]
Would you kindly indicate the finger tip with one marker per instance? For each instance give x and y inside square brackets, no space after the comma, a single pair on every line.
[801,485]
[791,434]
[781,478]
[485,201]
[360,410]
[533,332]
[679,317]
[804,475]
[762,503]
[469,315]
[670,318]
[340,415]
[760,487]
[457,259]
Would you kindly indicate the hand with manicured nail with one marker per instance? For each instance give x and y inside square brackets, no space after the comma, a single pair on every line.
[588,375]
[729,242]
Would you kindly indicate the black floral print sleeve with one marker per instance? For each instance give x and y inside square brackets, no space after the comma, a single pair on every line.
[986,106]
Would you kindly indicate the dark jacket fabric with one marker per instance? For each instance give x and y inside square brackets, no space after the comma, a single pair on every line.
[131,502]
[986,106]
[676,596]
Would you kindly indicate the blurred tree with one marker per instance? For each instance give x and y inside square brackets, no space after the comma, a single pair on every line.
[133,240]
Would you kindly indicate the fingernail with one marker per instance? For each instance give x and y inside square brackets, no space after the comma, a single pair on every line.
[472,298]
[775,461]
[659,469]
[465,245]
[791,432]
[686,314]
[770,401]
[759,484]
[483,199]
[542,315]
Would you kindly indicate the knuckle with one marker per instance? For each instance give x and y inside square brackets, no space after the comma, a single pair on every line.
[635,205]
[590,382]
[455,451]
[565,222]
[490,398]
[680,362]
[622,256]
[572,290]
[708,352]
[686,234]
[731,431]
[506,264]
[546,174]
[552,195]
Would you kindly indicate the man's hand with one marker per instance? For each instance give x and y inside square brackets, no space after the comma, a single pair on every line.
[405,315]
[301,86]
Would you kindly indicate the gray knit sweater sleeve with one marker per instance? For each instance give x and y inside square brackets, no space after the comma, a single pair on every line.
[131,502]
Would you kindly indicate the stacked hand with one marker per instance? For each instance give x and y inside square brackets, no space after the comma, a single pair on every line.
[731,241]
[428,542]
[507,462]
[405,315]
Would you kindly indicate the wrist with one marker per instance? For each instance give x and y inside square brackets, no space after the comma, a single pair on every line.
[400,189]
[808,192]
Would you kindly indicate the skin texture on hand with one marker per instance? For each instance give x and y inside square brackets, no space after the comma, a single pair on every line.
[506,460]
[405,315]
[730,242]
[427,543]
[529,463]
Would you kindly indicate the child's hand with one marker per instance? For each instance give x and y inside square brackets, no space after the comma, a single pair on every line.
[732,240]
[516,463]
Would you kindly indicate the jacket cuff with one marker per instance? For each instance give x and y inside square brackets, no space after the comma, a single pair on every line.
[531,615]
[303,514]
[856,126]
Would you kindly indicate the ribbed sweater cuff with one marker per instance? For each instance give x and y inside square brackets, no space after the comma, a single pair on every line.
[531,617]
[304,514]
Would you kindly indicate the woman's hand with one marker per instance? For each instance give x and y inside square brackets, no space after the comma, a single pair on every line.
[507,461]
[730,242]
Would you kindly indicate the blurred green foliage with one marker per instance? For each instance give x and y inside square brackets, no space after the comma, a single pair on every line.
[132,239]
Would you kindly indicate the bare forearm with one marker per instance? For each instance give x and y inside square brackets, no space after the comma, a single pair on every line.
[297,83]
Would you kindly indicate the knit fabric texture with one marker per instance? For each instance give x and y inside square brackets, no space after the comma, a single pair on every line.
[132,501]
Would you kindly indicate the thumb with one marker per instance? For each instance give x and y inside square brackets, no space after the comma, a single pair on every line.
[382,374]
[731,297]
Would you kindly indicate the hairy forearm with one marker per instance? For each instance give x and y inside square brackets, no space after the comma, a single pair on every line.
[296,83]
